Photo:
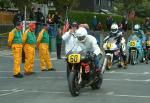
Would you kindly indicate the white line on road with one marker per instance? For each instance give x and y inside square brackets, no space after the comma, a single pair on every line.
[15,91]
[61,77]
[83,93]
[89,93]
[111,72]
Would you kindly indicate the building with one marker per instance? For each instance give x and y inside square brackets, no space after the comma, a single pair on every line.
[95,5]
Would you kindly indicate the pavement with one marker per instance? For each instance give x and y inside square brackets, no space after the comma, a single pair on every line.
[119,86]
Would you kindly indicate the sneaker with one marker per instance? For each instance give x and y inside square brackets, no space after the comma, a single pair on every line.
[18,75]
[51,69]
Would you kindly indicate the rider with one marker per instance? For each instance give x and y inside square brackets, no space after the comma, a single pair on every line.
[89,43]
[139,33]
[118,35]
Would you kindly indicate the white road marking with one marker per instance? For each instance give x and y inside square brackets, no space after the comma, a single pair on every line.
[15,91]
[110,93]
[112,72]
[6,90]
[5,52]
[83,93]
[89,93]
[61,77]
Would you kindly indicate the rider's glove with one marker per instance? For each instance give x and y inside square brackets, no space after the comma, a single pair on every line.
[92,56]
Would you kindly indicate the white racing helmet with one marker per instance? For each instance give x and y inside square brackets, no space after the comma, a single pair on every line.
[81,34]
[114,28]
[136,27]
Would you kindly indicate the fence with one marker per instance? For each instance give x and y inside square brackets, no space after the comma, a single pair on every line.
[6,17]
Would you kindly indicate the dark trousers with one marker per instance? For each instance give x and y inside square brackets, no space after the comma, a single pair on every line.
[58,48]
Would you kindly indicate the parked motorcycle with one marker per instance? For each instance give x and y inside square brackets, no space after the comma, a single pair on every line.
[81,72]
[112,54]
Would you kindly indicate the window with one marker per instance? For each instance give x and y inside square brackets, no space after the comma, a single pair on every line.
[109,3]
[98,2]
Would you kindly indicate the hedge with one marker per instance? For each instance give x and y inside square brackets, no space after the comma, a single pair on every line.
[86,17]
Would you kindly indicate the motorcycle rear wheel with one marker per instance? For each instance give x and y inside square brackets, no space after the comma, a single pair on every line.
[98,83]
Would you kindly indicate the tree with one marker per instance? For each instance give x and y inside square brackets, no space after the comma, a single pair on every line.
[62,5]
[141,7]
[5,4]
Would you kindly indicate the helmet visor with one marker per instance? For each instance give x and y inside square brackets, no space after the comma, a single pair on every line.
[114,30]
[81,38]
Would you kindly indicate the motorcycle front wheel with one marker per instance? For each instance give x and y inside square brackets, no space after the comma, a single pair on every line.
[133,58]
[73,83]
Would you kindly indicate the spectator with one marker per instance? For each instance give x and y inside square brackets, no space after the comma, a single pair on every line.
[124,23]
[32,16]
[90,32]
[109,22]
[49,19]
[99,26]
[58,43]
[57,18]
[18,18]
[94,22]
[39,21]
[120,27]
[147,24]
[69,37]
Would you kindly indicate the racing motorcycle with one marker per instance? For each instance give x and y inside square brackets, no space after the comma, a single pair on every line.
[147,50]
[135,48]
[81,72]
[112,54]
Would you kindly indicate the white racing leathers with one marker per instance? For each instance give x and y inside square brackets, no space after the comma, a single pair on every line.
[90,44]
[121,44]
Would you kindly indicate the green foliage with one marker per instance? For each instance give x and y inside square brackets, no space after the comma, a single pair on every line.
[62,5]
[5,4]
[86,17]
[141,7]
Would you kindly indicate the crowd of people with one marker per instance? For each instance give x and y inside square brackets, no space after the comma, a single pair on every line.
[97,25]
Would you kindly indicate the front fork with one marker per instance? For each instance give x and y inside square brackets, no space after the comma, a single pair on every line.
[80,76]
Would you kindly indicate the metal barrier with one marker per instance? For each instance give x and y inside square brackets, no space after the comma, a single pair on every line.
[4,28]
[4,31]
[53,30]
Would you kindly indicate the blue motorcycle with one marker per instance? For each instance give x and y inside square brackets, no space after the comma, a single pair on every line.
[135,49]
[147,49]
